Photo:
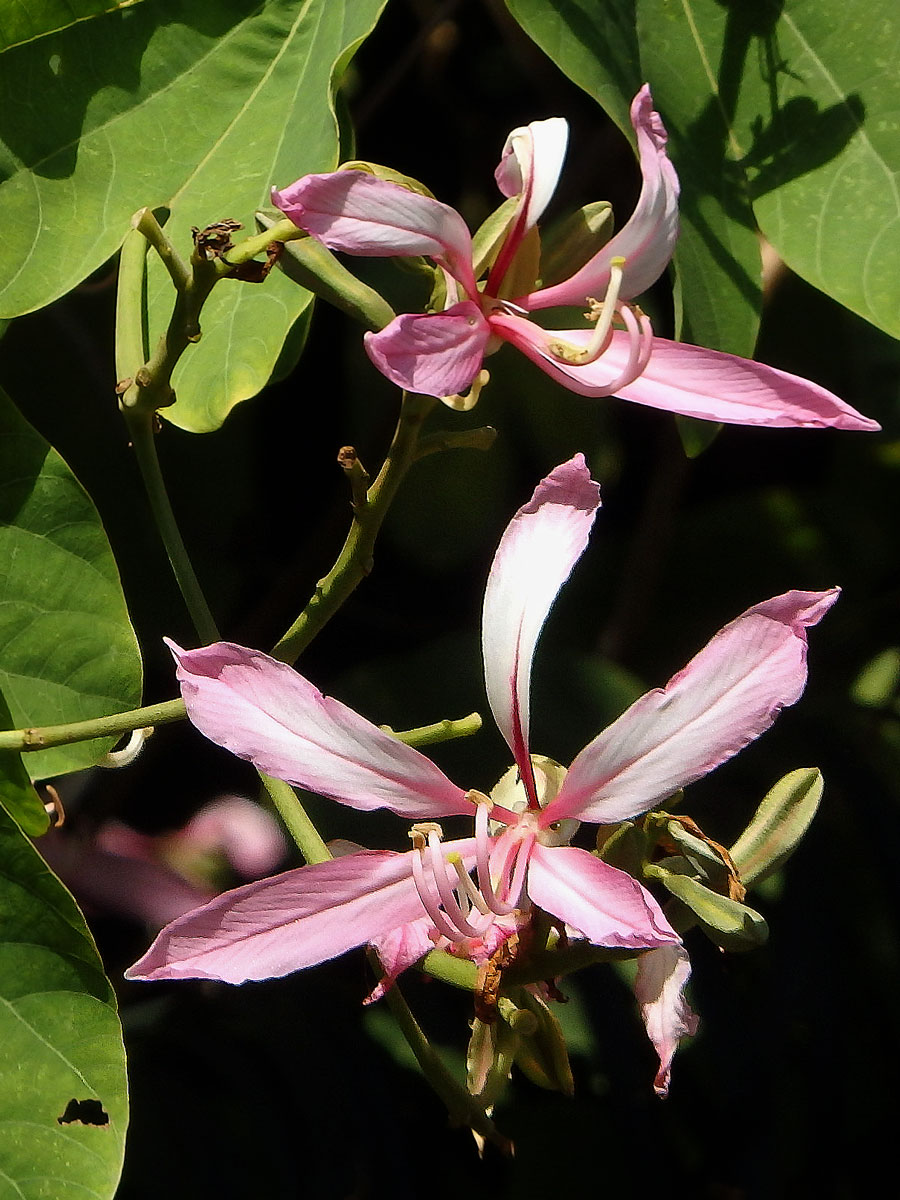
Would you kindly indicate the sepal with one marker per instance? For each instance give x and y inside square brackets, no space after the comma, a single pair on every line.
[543,1056]
[778,824]
[568,244]
[729,923]
[388,173]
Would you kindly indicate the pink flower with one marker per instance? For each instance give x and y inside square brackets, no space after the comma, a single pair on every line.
[441,354]
[405,903]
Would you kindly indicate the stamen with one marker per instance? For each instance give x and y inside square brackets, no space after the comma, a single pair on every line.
[449,901]
[640,333]
[466,885]
[603,313]
[419,833]
[430,902]
[464,401]
[507,847]
[514,891]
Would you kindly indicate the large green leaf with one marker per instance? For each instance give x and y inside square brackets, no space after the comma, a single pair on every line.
[799,99]
[24,20]
[181,104]
[67,650]
[60,1040]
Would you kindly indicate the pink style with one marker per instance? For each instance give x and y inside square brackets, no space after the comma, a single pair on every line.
[441,354]
[469,895]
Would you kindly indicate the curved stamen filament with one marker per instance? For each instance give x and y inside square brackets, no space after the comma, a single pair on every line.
[449,901]
[640,333]
[603,313]
[430,902]
[514,889]
[497,894]
[483,861]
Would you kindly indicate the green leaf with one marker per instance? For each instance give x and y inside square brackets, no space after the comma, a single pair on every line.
[803,100]
[67,650]
[778,824]
[730,924]
[180,104]
[17,795]
[22,21]
[60,1039]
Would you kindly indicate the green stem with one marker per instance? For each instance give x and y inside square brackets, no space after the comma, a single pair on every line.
[312,266]
[24,740]
[441,731]
[355,560]
[296,819]
[279,231]
[168,711]
[143,439]
[461,1106]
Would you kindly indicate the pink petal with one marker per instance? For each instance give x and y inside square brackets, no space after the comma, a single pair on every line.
[529,168]
[262,710]
[648,240]
[399,949]
[536,554]
[270,928]
[437,354]
[687,380]
[703,383]
[720,702]
[659,987]
[605,904]
[360,214]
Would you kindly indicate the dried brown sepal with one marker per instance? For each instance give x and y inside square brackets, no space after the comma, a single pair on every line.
[736,889]
[256,272]
[490,977]
[215,239]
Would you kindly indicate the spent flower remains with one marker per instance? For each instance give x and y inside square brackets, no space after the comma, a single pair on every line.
[471,896]
[488,298]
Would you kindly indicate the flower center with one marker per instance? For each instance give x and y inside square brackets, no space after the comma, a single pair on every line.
[459,909]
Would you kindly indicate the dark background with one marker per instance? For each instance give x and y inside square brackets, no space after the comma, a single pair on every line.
[292,1088]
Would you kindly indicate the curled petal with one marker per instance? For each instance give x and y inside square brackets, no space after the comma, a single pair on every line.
[356,212]
[659,987]
[605,904]
[267,929]
[437,354]
[264,711]
[721,701]
[687,380]
[536,554]
[529,168]
[648,240]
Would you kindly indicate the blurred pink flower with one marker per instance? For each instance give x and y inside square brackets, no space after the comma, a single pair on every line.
[441,354]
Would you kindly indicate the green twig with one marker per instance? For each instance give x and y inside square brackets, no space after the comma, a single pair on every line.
[296,819]
[440,731]
[462,1107]
[143,439]
[41,738]
[356,557]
